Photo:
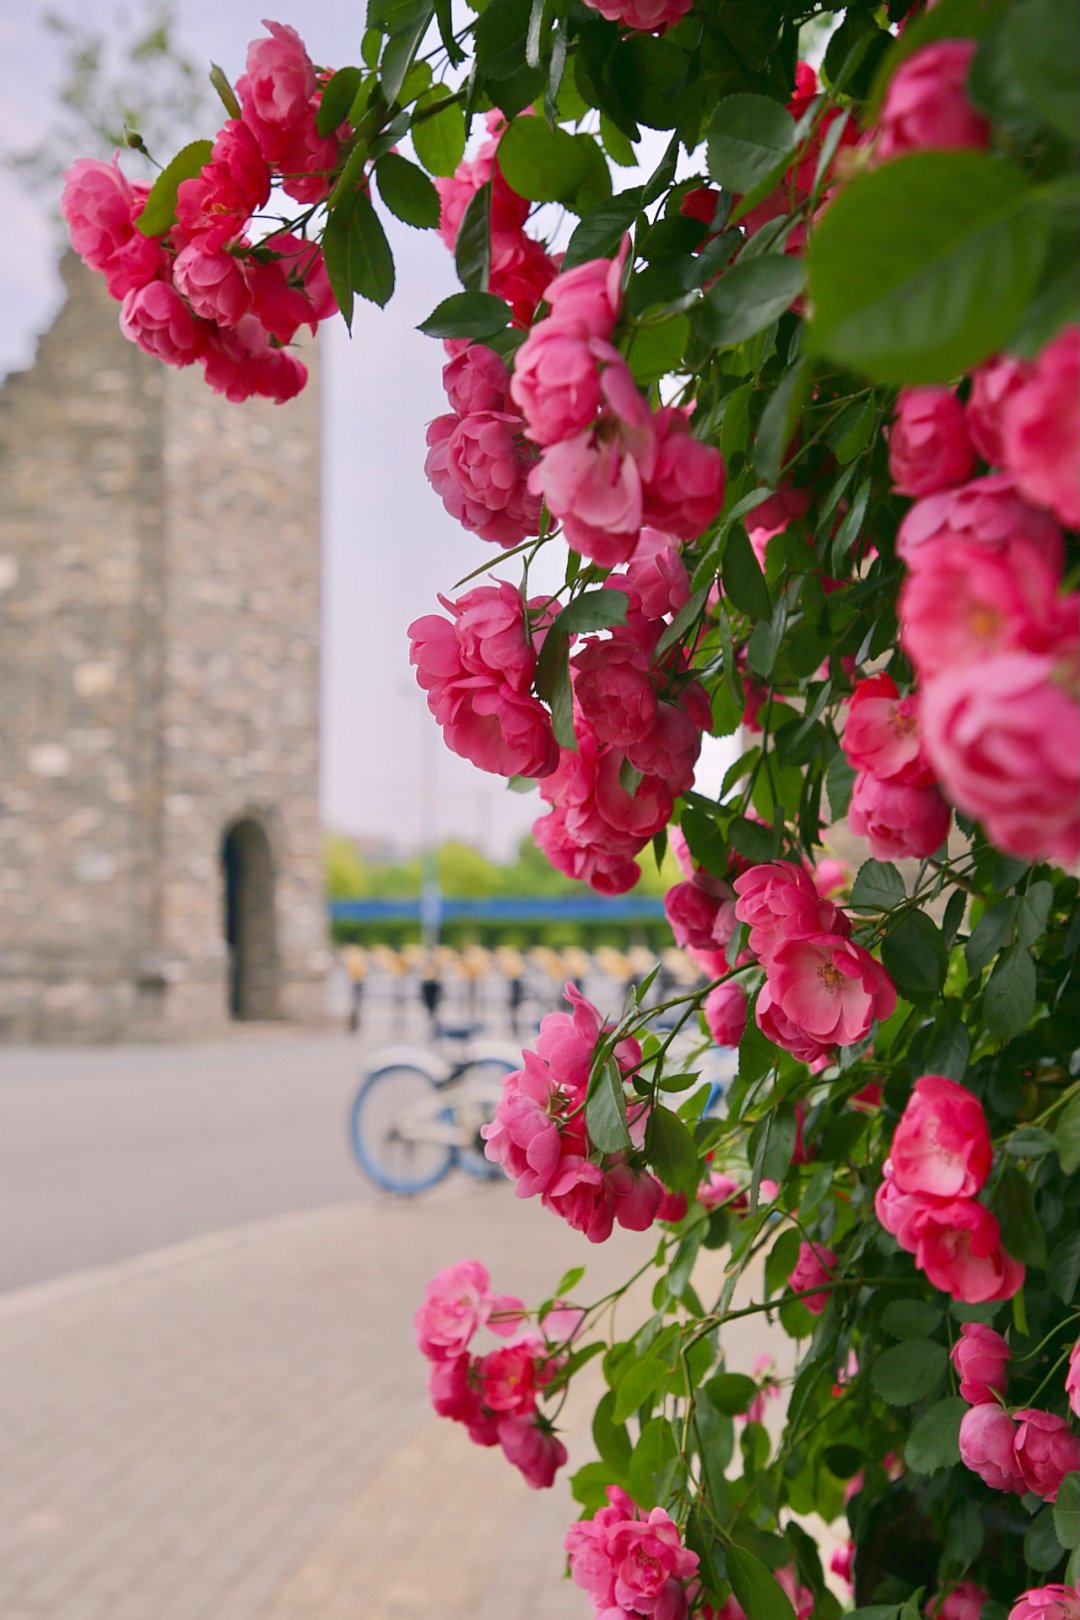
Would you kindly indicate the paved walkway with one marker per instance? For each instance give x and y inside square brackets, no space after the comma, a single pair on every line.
[237,1429]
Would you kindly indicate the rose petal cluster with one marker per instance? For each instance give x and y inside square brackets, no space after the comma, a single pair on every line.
[477,670]
[609,465]
[203,291]
[1053,1602]
[1027,1450]
[478,461]
[814,1268]
[939,1161]
[821,990]
[642,16]
[981,1359]
[963,1601]
[895,804]
[631,1564]
[494,1394]
[927,106]
[540,1138]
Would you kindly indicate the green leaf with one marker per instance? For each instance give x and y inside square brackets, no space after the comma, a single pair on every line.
[466,315]
[744,583]
[602,229]
[1068,1136]
[1021,1230]
[569,1281]
[922,268]
[605,1111]
[748,138]
[611,1439]
[753,293]
[908,1371]
[472,250]
[1030,1142]
[1063,1267]
[657,349]
[1034,912]
[934,1442]
[913,952]
[337,97]
[730,1393]
[589,1485]
[407,191]
[500,36]
[593,610]
[643,1378]
[1009,997]
[672,1151]
[652,1453]
[776,1161]
[910,1319]
[1042,1549]
[397,57]
[839,779]
[878,886]
[371,258]
[226,94]
[1042,47]
[756,1587]
[541,163]
[337,254]
[438,141]
[990,933]
[159,212]
[1067,1512]
[949,1050]
[778,422]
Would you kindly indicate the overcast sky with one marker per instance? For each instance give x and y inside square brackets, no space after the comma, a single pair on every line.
[389,546]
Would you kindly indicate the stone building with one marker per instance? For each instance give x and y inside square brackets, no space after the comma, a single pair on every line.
[160,865]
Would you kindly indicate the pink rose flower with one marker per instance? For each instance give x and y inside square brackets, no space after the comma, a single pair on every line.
[586,300]
[240,362]
[717,1190]
[614,686]
[643,16]
[1072,1379]
[815,1265]
[100,206]
[942,1144]
[509,1377]
[900,1213]
[779,902]
[580,1194]
[963,1602]
[157,319]
[214,207]
[684,488]
[725,1014]
[842,1562]
[670,748]
[830,989]
[1003,736]
[451,1390]
[280,78]
[457,1303]
[1041,430]
[637,1196]
[881,733]
[523,1137]
[658,574]
[927,104]
[533,1449]
[213,284]
[476,380]
[699,917]
[304,157]
[981,1358]
[479,469]
[929,445]
[1052,1602]
[992,385]
[987,1447]
[672,1206]
[1046,1450]
[959,1248]
[830,876]
[292,290]
[567,1042]
[502,731]
[556,384]
[965,602]
[608,871]
[989,511]
[897,820]
[773,515]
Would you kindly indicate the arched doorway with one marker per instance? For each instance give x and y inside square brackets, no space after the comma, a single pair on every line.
[250,920]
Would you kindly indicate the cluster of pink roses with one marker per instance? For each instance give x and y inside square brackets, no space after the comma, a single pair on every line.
[642,16]
[821,990]
[995,643]
[477,669]
[939,1160]
[494,1395]
[477,460]
[520,266]
[638,720]
[701,909]
[1054,1602]
[895,803]
[631,1564]
[927,107]
[540,1138]
[609,465]
[203,292]
[1027,1450]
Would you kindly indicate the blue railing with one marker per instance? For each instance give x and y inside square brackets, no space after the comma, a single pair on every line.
[504,908]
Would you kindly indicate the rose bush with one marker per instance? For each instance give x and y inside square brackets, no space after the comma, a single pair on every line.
[795,412]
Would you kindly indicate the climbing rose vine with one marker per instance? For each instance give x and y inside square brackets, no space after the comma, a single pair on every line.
[780,363]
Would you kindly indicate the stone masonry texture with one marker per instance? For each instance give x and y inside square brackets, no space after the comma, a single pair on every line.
[160,657]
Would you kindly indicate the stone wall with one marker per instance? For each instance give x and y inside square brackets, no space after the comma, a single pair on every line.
[159,654]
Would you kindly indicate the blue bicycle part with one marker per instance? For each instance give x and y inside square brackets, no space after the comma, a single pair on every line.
[387,1156]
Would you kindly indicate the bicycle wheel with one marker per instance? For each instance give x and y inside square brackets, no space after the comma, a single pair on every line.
[391,1130]
[482,1083]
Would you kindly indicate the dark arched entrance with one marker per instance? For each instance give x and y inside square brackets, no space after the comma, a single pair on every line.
[250,921]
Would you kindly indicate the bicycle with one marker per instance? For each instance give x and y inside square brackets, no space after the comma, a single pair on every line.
[418,1113]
